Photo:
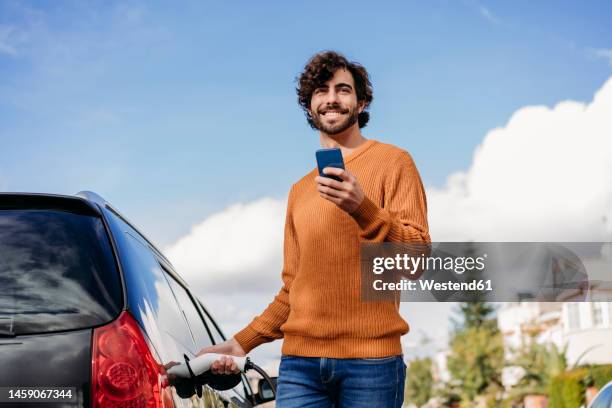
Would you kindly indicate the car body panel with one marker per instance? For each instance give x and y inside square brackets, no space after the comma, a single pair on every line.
[48,360]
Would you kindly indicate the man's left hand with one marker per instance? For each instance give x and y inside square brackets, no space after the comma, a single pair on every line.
[346,194]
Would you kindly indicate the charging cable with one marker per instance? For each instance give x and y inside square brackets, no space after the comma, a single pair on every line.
[201,364]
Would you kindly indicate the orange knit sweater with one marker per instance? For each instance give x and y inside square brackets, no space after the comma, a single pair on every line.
[318,310]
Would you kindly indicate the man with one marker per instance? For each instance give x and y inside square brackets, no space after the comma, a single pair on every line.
[338,351]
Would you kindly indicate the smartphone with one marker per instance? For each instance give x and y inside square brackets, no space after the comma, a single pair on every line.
[329,158]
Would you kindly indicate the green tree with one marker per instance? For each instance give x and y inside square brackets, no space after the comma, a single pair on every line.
[476,314]
[540,363]
[419,381]
[477,353]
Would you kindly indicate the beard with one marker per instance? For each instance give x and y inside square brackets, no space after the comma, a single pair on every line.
[340,125]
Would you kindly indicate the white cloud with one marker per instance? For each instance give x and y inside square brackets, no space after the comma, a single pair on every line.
[234,309]
[6,44]
[602,53]
[237,249]
[483,11]
[546,175]
[488,15]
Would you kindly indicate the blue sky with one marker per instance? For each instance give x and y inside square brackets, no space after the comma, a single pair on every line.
[176,111]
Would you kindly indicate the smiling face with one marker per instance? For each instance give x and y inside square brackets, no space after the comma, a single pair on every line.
[334,107]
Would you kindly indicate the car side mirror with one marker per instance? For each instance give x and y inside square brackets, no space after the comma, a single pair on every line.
[264,391]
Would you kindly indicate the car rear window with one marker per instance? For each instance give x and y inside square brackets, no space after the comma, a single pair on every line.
[57,272]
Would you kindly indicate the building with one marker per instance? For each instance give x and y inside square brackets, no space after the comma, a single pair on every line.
[585,328]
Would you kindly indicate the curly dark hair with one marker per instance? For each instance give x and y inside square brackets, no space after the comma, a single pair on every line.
[320,68]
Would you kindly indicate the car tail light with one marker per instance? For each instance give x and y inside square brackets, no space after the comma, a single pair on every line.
[124,372]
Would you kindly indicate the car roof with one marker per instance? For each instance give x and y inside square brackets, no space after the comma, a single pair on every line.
[95,198]
[75,204]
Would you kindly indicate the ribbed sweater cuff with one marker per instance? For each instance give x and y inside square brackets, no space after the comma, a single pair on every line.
[249,338]
[366,214]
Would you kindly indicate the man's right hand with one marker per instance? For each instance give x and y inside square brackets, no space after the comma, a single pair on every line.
[225,365]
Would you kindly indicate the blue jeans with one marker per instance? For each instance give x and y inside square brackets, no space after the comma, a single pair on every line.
[315,382]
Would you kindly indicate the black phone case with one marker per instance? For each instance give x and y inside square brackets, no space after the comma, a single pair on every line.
[329,158]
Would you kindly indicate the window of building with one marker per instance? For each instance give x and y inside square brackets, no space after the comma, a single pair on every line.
[573,316]
[597,313]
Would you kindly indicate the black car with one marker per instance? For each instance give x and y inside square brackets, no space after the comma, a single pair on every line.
[93,314]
